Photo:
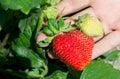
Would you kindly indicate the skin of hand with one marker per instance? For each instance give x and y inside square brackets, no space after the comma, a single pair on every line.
[107,11]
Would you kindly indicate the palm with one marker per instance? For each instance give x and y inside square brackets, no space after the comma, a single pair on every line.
[108,12]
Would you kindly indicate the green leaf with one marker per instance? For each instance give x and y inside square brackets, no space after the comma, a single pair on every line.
[8,22]
[40,22]
[28,27]
[20,57]
[56,26]
[18,42]
[14,74]
[116,63]
[5,16]
[28,57]
[34,73]
[50,12]
[54,2]
[22,40]
[28,32]
[24,5]
[42,52]
[58,75]
[2,61]
[61,22]
[73,73]
[112,55]
[53,26]
[47,31]
[30,21]
[25,41]
[98,69]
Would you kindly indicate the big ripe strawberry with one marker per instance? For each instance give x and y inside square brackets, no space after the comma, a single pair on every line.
[74,48]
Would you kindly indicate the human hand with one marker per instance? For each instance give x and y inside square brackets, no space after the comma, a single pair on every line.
[107,11]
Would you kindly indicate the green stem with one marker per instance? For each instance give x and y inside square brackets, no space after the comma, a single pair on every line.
[39,75]
[4,42]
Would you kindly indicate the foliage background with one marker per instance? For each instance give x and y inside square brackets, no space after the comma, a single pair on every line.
[21,58]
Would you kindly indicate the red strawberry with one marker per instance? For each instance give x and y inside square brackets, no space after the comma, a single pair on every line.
[74,48]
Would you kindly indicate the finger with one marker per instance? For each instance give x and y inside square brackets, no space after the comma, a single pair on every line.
[40,37]
[70,6]
[51,54]
[106,44]
[75,17]
[88,10]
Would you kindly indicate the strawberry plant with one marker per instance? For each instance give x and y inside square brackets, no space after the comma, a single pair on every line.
[22,57]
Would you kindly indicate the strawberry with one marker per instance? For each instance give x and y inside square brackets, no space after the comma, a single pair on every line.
[74,48]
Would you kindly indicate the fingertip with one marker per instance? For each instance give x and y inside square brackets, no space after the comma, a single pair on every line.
[51,54]
[41,36]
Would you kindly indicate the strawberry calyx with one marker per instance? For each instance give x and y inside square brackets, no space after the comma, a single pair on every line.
[53,28]
[80,20]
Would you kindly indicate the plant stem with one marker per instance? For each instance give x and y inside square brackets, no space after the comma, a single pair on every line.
[4,42]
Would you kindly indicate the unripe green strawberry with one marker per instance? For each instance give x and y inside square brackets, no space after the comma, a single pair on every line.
[74,48]
[90,25]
